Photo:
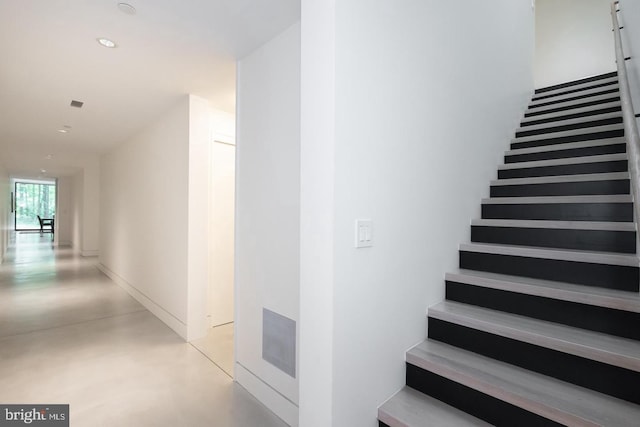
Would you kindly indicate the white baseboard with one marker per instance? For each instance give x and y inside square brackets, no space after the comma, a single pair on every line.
[276,402]
[90,253]
[177,325]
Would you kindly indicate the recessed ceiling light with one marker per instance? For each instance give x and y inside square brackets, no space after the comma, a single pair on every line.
[63,130]
[49,156]
[106,42]
[127,8]
[43,170]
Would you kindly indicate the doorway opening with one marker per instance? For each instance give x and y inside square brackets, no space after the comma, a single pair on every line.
[218,344]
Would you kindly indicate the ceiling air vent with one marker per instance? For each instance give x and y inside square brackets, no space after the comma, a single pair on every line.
[77,104]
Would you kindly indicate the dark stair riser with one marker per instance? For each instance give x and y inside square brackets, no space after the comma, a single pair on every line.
[381,424]
[568,153]
[576,82]
[612,380]
[581,188]
[573,126]
[566,169]
[571,116]
[576,97]
[567,91]
[586,103]
[594,318]
[590,240]
[587,136]
[478,404]
[612,212]
[583,273]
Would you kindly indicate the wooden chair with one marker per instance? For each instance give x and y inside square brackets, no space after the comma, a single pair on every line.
[44,223]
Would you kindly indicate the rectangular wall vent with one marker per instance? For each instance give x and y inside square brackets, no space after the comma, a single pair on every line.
[77,104]
[279,341]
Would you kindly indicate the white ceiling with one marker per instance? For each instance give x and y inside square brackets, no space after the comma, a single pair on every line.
[49,56]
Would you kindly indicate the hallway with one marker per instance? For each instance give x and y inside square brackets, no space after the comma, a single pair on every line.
[68,334]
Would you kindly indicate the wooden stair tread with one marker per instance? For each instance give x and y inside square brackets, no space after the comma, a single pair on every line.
[564,96]
[608,258]
[581,86]
[550,398]
[589,177]
[606,198]
[575,102]
[410,408]
[572,83]
[565,161]
[615,351]
[553,224]
[577,110]
[576,121]
[564,133]
[600,297]
[566,146]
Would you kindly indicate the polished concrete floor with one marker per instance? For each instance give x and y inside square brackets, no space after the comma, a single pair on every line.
[70,335]
[218,347]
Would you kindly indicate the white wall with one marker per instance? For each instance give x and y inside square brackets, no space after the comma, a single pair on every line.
[629,17]
[5,210]
[199,143]
[573,40]
[267,206]
[154,216]
[422,113]
[91,210]
[317,182]
[64,211]
[144,215]
[76,212]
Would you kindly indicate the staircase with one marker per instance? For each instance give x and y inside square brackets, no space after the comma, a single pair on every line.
[541,323]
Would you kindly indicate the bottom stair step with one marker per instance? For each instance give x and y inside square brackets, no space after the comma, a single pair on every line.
[590,359]
[506,395]
[410,408]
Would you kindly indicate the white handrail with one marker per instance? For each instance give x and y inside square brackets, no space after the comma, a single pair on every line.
[630,125]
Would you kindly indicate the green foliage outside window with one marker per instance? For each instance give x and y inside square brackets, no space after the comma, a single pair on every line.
[33,200]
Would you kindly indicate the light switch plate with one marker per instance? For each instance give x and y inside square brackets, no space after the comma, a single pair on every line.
[364,233]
